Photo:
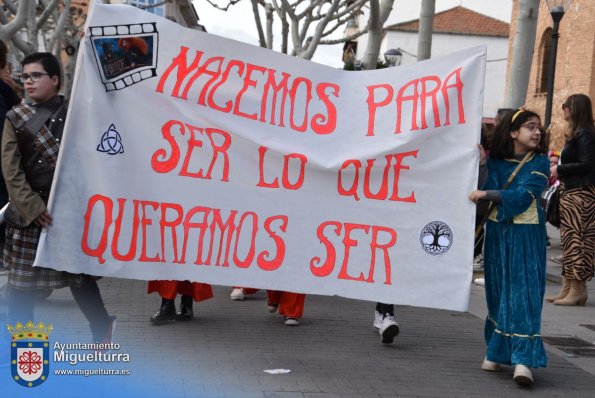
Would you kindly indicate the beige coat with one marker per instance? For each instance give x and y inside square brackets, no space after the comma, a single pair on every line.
[27,202]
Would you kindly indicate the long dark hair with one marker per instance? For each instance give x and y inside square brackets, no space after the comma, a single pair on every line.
[581,113]
[502,143]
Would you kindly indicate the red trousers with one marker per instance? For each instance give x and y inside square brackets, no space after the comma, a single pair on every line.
[169,289]
[290,304]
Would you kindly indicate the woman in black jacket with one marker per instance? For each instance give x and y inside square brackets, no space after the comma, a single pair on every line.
[576,172]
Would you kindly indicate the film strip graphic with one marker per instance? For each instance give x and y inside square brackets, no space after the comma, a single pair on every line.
[125,54]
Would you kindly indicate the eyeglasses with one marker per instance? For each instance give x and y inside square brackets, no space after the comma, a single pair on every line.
[532,126]
[34,76]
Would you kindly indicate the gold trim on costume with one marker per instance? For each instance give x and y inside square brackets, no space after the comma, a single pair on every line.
[525,336]
[529,216]
[494,215]
[518,161]
[540,174]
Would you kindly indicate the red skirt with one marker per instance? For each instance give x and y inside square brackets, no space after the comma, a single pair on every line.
[169,289]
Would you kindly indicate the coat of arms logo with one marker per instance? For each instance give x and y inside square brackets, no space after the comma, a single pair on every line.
[29,352]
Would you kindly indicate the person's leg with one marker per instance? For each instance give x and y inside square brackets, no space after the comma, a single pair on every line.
[185,313]
[386,309]
[378,316]
[273,300]
[167,310]
[88,297]
[577,234]
[21,304]
[292,307]
[191,291]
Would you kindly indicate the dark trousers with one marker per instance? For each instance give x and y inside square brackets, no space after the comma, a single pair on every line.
[21,304]
[88,297]
[385,309]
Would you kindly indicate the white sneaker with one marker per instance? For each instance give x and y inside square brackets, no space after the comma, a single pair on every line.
[237,294]
[378,319]
[557,259]
[389,329]
[490,366]
[292,322]
[522,375]
[479,281]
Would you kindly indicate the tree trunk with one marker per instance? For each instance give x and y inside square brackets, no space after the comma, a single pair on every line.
[522,53]
[379,13]
[426,22]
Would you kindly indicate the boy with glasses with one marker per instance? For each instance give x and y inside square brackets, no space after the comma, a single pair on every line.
[30,146]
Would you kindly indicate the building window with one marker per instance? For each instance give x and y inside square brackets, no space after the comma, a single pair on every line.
[544,53]
[149,5]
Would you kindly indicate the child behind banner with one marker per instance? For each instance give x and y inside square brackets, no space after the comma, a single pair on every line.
[514,253]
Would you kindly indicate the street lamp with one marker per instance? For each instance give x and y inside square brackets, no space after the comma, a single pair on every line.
[556,8]
[393,57]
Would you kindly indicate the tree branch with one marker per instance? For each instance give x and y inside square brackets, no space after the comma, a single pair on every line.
[59,28]
[229,4]
[346,38]
[49,7]
[20,19]
[270,19]
[261,38]
[295,37]
[10,6]
[312,44]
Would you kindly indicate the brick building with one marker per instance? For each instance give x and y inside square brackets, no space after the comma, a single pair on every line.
[575,63]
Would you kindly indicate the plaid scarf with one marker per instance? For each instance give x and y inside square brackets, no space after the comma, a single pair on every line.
[44,140]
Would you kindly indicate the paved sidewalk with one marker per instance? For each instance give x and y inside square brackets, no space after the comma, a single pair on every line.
[335,353]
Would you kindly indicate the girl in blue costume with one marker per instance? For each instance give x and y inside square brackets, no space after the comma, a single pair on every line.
[515,256]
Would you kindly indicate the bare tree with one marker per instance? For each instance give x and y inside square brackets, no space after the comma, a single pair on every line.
[14,17]
[306,24]
[426,22]
[379,13]
[522,53]
[56,23]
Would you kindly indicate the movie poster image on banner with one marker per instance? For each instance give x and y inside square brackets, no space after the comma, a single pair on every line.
[125,54]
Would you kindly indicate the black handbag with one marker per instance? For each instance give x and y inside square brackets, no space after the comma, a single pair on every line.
[552,205]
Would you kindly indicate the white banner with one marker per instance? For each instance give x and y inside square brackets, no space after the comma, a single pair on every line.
[188,156]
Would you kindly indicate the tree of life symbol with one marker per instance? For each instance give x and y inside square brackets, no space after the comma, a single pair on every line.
[436,238]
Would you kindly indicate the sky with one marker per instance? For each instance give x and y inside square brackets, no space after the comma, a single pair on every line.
[238,22]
